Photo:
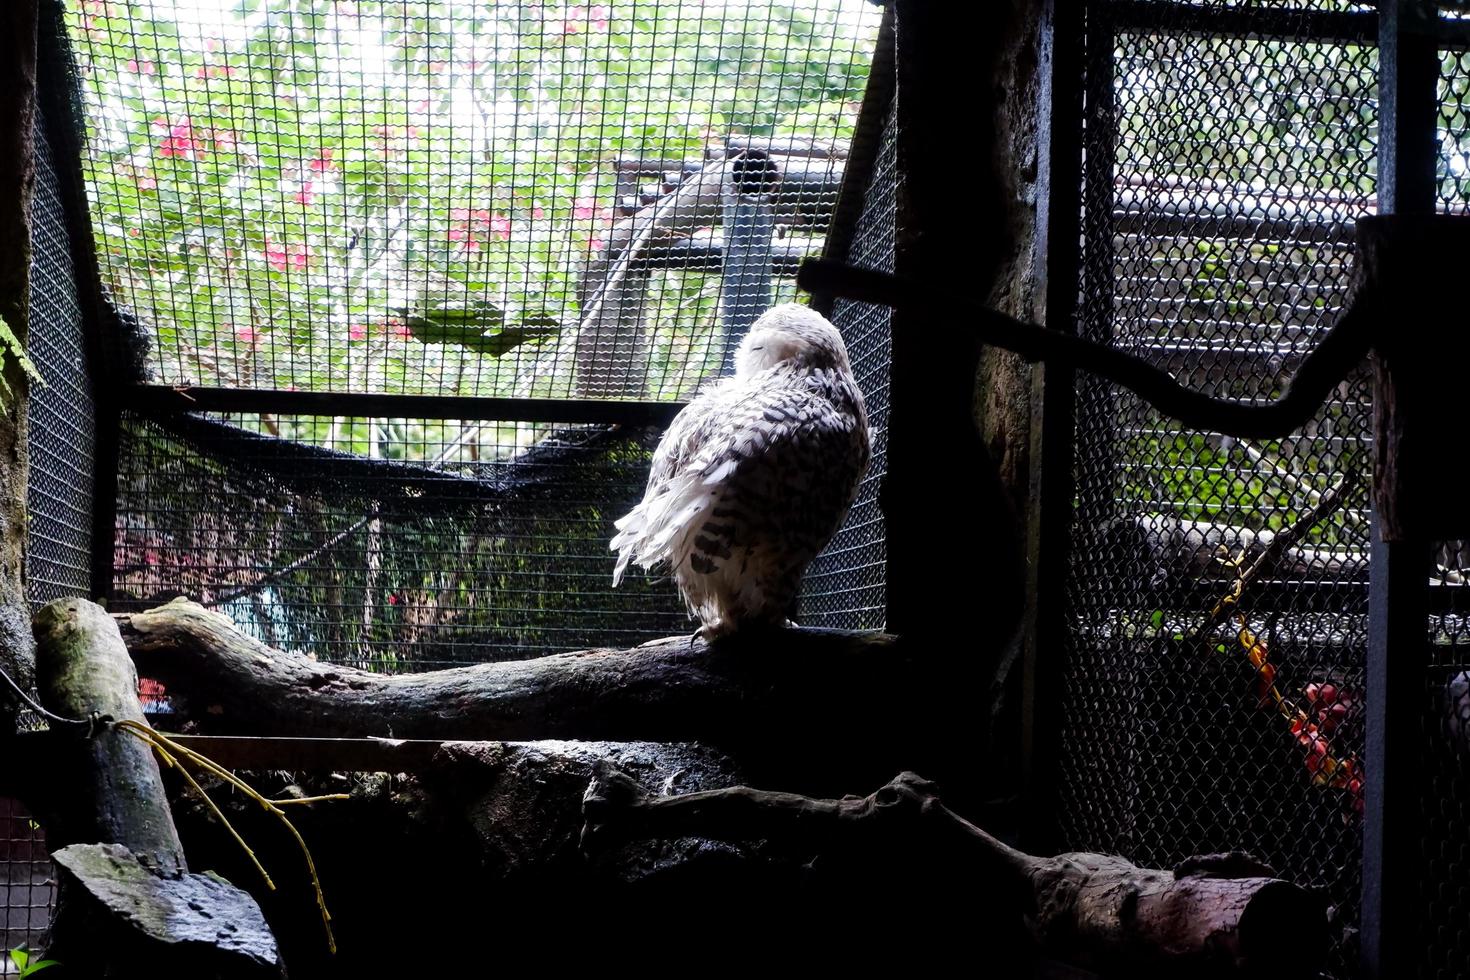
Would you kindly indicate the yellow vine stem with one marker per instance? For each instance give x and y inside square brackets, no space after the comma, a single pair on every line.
[172,753]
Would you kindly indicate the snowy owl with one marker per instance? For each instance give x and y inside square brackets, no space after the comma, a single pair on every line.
[754,476]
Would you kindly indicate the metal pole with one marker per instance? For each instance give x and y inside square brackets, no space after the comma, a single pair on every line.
[1049,530]
[749,224]
[1398,575]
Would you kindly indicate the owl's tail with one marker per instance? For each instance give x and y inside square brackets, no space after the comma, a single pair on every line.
[661,527]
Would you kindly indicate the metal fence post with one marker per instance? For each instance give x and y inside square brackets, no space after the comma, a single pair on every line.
[1398,599]
[749,224]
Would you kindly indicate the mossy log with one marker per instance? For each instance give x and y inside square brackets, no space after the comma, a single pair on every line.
[116,794]
[109,825]
[793,693]
[1212,916]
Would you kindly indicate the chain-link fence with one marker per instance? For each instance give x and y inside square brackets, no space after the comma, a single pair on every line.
[1226,162]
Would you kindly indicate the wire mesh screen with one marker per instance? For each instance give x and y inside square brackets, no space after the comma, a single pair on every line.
[29,886]
[387,543]
[1444,872]
[1222,179]
[846,586]
[62,415]
[458,197]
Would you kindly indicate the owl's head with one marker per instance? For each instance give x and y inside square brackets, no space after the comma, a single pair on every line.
[791,332]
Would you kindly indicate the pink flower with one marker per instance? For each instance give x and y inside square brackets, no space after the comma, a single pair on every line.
[537,213]
[305,195]
[147,182]
[399,329]
[596,244]
[579,17]
[182,142]
[246,335]
[141,67]
[583,208]
[357,331]
[500,226]
[280,257]
[322,162]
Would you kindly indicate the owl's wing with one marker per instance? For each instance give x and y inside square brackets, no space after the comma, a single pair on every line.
[742,437]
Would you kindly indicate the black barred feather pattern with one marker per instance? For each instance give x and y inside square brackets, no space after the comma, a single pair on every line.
[754,476]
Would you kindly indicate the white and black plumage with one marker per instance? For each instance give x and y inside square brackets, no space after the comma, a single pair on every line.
[754,476]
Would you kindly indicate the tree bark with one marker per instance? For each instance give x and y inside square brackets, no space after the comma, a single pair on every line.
[117,795]
[862,700]
[1215,915]
[125,881]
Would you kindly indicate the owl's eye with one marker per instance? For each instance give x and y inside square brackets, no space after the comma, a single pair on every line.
[761,347]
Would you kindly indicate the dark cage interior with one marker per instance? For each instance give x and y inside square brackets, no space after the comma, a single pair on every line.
[394,299]
[1222,178]
[359,323]
[1227,153]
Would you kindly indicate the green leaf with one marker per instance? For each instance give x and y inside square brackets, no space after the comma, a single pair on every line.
[20,958]
[13,344]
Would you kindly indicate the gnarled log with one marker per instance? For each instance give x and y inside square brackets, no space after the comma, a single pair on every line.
[863,704]
[108,822]
[1216,915]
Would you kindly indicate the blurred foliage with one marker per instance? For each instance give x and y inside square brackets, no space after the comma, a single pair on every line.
[282,188]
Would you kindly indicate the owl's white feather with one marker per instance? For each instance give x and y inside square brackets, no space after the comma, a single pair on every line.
[754,476]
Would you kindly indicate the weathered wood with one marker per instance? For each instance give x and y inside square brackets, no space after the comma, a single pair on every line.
[1411,260]
[1215,915]
[480,847]
[179,924]
[116,795]
[819,688]
[109,825]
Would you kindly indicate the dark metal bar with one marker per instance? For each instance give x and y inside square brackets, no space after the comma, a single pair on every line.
[365,405]
[1339,352]
[1398,615]
[1059,177]
[1337,27]
[1096,411]
[708,254]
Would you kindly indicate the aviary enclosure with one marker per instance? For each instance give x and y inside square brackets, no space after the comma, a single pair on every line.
[355,325]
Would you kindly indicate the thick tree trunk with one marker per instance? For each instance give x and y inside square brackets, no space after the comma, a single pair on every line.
[1217,915]
[117,794]
[819,710]
[862,691]
[126,895]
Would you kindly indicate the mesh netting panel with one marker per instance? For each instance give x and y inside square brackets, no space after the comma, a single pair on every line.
[846,586]
[430,196]
[1444,874]
[59,545]
[1222,180]
[28,885]
[392,544]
